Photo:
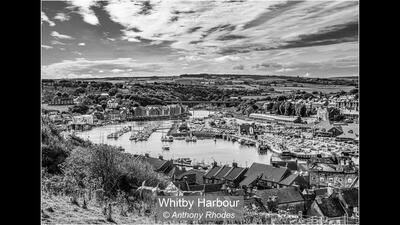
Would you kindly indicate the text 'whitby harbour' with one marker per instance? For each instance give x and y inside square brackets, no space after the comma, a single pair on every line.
[207,205]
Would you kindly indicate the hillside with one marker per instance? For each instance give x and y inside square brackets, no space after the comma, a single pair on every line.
[59,210]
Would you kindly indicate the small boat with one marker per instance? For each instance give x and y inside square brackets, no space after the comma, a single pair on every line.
[165,147]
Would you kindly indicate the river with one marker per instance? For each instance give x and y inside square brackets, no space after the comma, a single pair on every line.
[208,150]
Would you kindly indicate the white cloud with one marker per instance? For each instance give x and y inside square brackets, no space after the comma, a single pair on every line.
[46,19]
[61,17]
[81,44]
[46,47]
[246,25]
[57,43]
[84,9]
[117,70]
[61,36]
[227,58]
[84,66]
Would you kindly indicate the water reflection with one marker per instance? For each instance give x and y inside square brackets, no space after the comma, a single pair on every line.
[206,150]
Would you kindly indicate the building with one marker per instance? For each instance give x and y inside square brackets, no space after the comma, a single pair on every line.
[289,199]
[326,129]
[349,199]
[158,164]
[83,119]
[350,133]
[59,100]
[225,174]
[192,177]
[324,175]
[265,176]
[327,207]
[275,118]
[153,111]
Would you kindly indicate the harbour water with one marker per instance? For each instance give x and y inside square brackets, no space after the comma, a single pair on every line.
[208,150]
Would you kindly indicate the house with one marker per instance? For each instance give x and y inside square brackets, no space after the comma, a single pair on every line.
[200,189]
[192,177]
[349,199]
[158,164]
[326,129]
[323,175]
[266,176]
[225,174]
[350,133]
[61,100]
[289,199]
[327,207]
[247,129]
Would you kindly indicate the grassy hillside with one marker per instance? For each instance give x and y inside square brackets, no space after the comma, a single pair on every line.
[59,210]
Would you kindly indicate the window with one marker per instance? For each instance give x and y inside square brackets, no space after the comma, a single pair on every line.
[331,179]
[321,179]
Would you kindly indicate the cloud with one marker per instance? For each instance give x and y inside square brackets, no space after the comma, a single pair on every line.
[239,67]
[47,20]
[84,66]
[227,58]
[60,36]
[46,47]
[84,8]
[57,42]
[235,27]
[81,44]
[62,17]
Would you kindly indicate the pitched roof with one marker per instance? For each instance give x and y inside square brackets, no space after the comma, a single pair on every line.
[250,179]
[285,195]
[212,172]
[330,207]
[289,179]
[268,172]
[222,172]
[321,191]
[350,196]
[350,131]
[234,173]
[156,163]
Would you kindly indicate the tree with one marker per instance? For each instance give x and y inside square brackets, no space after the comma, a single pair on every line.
[354,91]
[113,91]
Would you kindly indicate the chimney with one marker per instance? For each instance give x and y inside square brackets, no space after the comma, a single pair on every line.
[234,164]
[329,190]
[215,164]
[161,157]
[147,155]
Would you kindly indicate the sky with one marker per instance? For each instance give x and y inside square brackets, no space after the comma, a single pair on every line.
[85,38]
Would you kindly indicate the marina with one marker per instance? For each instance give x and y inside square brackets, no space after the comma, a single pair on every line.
[204,150]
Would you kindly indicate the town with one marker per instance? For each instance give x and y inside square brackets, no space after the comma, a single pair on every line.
[312,136]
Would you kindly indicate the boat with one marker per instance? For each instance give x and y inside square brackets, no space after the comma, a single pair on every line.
[165,147]
[185,161]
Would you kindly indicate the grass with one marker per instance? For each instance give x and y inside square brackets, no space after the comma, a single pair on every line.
[60,210]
